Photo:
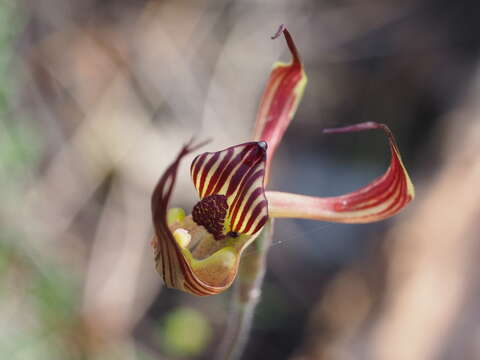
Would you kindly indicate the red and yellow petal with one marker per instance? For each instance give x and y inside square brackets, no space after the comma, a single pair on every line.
[280,99]
[234,177]
[382,198]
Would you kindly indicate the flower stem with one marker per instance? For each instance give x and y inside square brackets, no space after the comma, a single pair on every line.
[245,297]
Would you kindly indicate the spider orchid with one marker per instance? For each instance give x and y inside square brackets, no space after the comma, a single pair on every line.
[200,253]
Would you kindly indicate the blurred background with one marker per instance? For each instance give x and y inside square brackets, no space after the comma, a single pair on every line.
[97,97]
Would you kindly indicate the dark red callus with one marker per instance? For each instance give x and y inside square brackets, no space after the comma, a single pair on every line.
[210,212]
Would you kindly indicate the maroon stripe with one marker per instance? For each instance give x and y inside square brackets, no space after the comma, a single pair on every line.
[192,290]
[191,282]
[392,208]
[388,192]
[188,285]
[242,187]
[247,182]
[160,252]
[198,287]
[220,169]
[252,160]
[228,170]
[395,180]
[205,171]
[255,194]
[397,202]
[196,166]
[255,214]
[367,202]
[187,272]
[172,266]
[377,186]
[167,257]
[376,189]
[399,199]
[260,224]
[357,198]
[190,277]
[163,256]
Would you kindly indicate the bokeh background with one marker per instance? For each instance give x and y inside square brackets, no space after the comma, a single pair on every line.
[96,98]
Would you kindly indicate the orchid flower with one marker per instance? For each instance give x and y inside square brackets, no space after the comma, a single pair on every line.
[200,253]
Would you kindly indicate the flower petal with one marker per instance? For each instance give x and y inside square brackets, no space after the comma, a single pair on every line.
[382,198]
[176,264]
[280,99]
[234,175]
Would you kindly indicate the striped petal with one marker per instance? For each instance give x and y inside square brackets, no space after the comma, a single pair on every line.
[230,185]
[382,198]
[280,99]
[179,268]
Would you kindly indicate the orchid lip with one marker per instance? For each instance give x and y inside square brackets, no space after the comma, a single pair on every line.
[230,185]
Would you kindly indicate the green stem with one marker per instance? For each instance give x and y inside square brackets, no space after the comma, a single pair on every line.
[246,295]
